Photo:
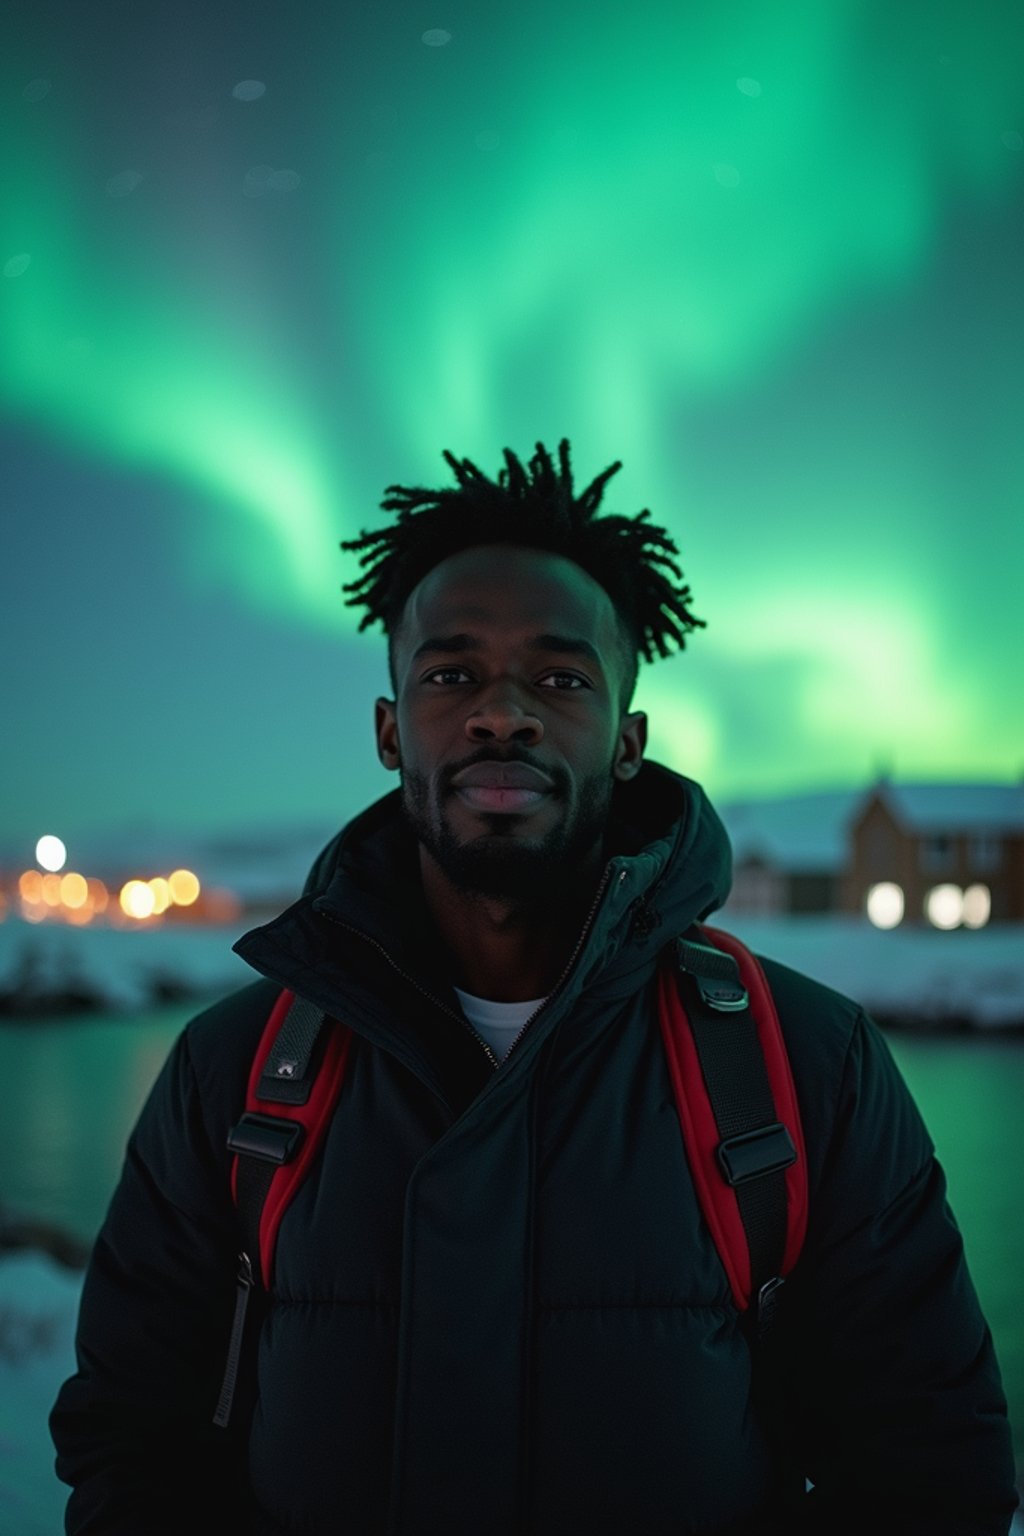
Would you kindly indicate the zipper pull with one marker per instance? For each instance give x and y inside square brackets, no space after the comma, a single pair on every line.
[244,1284]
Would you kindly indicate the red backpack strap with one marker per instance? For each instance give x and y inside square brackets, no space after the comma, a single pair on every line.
[738,1111]
[294,1083]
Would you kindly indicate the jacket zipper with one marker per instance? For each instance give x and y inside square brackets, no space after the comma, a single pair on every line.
[572,958]
[460,1018]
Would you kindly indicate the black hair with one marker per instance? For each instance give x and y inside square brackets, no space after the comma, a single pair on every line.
[536,508]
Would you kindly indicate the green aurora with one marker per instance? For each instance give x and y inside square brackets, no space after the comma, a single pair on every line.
[771,260]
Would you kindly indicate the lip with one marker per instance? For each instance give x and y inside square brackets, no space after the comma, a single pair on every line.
[506,777]
[501,797]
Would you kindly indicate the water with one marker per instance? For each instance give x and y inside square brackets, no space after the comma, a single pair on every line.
[75,1086]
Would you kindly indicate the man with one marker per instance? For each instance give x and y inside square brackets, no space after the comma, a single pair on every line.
[496,1307]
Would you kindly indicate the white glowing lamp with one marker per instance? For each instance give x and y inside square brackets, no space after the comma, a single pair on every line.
[51,853]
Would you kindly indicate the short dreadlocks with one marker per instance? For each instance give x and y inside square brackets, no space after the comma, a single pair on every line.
[536,508]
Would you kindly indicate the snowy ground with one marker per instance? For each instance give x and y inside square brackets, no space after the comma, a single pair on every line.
[123,969]
[914,975]
[38,1299]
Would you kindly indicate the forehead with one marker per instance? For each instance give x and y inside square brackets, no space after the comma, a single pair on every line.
[506,587]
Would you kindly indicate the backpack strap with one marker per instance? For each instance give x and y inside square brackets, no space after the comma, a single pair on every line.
[294,1083]
[738,1112]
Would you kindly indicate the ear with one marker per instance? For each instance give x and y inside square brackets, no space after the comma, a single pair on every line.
[629,753]
[386,726]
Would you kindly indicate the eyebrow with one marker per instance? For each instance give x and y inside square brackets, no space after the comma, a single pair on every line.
[562,645]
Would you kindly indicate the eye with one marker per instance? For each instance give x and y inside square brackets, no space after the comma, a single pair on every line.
[572,678]
[562,682]
[429,677]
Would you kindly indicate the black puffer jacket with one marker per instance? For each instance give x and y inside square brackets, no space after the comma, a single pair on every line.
[497,1310]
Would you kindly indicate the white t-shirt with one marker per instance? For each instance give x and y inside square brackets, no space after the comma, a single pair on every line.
[498,1023]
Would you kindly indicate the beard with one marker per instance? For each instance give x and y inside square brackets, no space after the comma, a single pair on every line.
[504,865]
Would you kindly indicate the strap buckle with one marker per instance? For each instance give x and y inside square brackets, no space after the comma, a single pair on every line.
[754,1153]
[271,1138]
[716,974]
[767,1305]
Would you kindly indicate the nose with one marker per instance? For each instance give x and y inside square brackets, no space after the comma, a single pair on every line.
[502,717]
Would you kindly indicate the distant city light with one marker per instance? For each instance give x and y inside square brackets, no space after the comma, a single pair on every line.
[30,886]
[944,906]
[74,890]
[51,853]
[885,904]
[51,890]
[161,894]
[137,899]
[184,887]
[977,906]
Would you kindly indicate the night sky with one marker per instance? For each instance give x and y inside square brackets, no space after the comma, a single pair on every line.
[259,262]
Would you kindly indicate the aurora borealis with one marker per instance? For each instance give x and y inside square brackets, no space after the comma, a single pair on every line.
[769,258]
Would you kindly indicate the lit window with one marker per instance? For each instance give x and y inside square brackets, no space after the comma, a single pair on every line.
[885,904]
[977,906]
[944,906]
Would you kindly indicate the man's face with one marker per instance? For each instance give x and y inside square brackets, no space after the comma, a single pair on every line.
[508,658]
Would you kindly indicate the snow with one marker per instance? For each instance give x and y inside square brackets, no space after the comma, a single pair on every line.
[907,974]
[121,969]
[794,832]
[811,832]
[956,808]
[38,1304]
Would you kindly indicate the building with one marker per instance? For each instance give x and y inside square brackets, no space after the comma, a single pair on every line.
[950,850]
[944,854]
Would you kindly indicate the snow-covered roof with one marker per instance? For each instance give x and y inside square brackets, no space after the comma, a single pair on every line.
[953,807]
[805,833]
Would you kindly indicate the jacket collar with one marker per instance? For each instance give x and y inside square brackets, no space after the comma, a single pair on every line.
[668,866]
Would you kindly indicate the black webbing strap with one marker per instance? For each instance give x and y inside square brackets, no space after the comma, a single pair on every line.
[755,1149]
[287,1076]
[263,1142]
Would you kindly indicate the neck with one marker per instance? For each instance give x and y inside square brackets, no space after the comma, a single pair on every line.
[507,950]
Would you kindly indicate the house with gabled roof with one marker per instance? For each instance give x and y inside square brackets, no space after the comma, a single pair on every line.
[945,854]
[923,836]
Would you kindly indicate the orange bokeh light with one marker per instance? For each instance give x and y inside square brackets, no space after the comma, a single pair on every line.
[74,890]
[184,887]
